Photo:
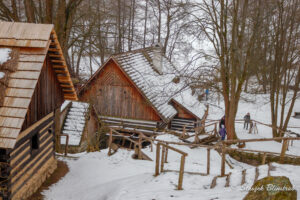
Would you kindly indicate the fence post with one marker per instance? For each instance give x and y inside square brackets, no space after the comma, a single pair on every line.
[109,142]
[208,161]
[162,158]
[166,156]
[264,159]
[283,150]
[180,180]
[140,147]
[157,159]
[223,160]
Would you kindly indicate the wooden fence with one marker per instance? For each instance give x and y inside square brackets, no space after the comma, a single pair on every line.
[164,159]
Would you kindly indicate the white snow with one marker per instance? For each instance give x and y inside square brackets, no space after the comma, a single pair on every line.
[119,177]
[2,74]
[4,55]
[75,122]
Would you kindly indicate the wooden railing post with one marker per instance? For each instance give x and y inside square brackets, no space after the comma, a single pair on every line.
[157,159]
[140,147]
[208,161]
[109,142]
[283,150]
[166,156]
[223,160]
[264,159]
[180,180]
[162,159]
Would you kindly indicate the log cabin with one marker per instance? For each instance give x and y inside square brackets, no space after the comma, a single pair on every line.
[134,90]
[80,123]
[35,83]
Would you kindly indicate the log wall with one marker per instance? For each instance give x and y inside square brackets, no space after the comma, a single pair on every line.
[27,165]
[113,94]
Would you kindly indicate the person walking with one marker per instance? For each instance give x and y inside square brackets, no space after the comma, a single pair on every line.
[222,132]
[247,120]
[222,122]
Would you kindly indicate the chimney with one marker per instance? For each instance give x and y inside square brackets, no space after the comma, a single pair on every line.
[157,58]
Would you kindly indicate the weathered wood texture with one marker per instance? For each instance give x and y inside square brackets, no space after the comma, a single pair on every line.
[47,95]
[182,112]
[113,94]
[26,161]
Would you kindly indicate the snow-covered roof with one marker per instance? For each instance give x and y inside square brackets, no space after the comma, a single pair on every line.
[23,50]
[154,76]
[75,123]
[189,100]
[158,87]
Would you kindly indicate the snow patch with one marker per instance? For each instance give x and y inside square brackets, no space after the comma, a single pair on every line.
[4,55]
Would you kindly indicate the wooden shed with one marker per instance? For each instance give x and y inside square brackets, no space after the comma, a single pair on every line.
[80,123]
[134,90]
[35,83]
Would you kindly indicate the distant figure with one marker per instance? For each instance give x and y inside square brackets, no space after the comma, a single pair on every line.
[222,132]
[206,94]
[222,122]
[247,121]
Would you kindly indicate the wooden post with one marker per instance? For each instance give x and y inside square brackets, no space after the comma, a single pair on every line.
[140,148]
[123,141]
[223,160]
[166,156]
[157,159]
[283,150]
[162,159]
[109,142]
[215,129]
[180,180]
[57,129]
[264,159]
[208,161]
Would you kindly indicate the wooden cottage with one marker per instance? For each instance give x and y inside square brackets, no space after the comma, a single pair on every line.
[80,123]
[34,84]
[134,90]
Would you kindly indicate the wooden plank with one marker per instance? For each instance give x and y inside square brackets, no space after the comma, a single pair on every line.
[43,154]
[208,161]
[9,122]
[12,154]
[32,127]
[22,83]
[15,159]
[180,179]
[25,31]
[13,112]
[7,143]
[33,66]
[23,43]
[33,51]
[46,127]
[32,58]
[9,132]
[25,75]
[16,102]
[59,66]
[15,92]
[223,160]
[157,159]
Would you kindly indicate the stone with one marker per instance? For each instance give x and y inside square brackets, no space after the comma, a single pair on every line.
[272,188]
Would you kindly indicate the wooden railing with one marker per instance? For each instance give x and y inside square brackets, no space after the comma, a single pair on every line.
[164,157]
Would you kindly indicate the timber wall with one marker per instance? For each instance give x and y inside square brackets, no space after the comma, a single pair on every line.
[113,94]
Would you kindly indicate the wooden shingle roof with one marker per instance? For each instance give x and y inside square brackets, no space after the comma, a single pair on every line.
[33,43]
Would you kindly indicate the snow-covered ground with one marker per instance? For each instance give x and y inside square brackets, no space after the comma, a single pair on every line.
[119,177]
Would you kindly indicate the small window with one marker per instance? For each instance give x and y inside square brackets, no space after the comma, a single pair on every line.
[35,142]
